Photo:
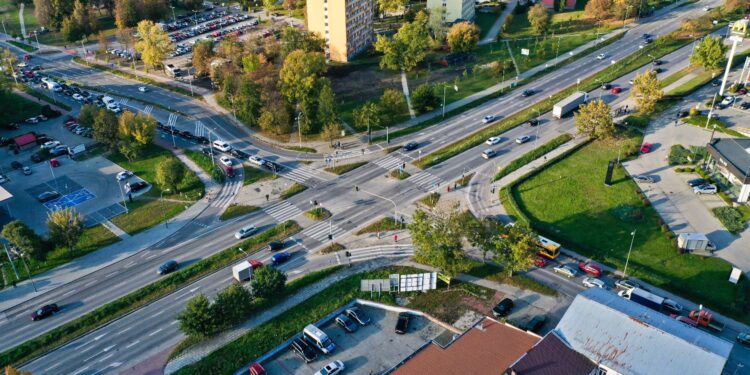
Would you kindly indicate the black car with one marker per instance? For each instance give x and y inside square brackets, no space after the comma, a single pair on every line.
[527,93]
[275,245]
[239,154]
[137,186]
[159,125]
[719,106]
[202,140]
[683,114]
[185,134]
[657,70]
[36,158]
[167,267]
[503,308]
[304,350]
[716,82]
[16,165]
[745,105]
[47,196]
[535,323]
[696,182]
[657,62]
[206,151]
[273,166]
[402,325]
[44,311]
[606,86]
[346,323]
[411,146]
[533,122]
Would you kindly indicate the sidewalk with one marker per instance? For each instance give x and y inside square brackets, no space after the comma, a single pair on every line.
[498,25]
[39,101]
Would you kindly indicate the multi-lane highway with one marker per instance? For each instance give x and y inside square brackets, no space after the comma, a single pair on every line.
[351,209]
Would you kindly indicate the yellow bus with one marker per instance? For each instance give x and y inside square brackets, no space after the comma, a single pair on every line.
[548,248]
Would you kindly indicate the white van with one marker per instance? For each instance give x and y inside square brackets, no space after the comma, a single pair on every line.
[318,338]
[222,146]
[107,100]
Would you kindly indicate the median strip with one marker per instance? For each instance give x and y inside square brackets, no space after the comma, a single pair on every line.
[61,335]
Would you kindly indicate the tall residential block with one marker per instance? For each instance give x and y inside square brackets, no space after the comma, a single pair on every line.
[454,9]
[346,26]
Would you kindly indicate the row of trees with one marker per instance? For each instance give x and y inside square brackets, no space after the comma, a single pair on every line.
[438,241]
[203,318]
[65,229]
[129,134]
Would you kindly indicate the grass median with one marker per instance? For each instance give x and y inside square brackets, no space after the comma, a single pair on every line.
[253,175]
[293,190]
[149,293]
[343,168]
[206,164]
[382,225]
[236,210]
[533,155]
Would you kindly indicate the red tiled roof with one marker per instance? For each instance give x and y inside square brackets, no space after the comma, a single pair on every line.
[552,356]
[488,348]
[24,139]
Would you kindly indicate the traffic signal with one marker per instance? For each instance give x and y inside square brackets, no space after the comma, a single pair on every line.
[356,188]
[330,237]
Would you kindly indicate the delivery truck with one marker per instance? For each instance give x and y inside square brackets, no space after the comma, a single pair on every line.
[244,271]
[644,298]
[694,242]
[706,319]
[568,104]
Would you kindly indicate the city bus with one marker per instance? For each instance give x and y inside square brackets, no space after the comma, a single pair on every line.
[548,248]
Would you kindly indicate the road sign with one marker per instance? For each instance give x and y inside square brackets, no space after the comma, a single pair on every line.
[525,51]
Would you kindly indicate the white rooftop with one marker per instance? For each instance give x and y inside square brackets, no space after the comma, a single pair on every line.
[635,340]
[4,194]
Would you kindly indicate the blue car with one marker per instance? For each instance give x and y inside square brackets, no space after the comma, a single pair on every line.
[279,258]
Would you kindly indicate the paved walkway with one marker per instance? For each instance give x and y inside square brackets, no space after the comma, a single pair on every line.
[21,20]
[498,25]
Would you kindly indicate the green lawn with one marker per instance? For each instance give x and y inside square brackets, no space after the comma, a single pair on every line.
[382,225]
[18,108]
[253,175]
[569,203]
[212,168]
[145,212]
[485,20]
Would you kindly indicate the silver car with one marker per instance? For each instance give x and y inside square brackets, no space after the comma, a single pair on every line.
[566,271]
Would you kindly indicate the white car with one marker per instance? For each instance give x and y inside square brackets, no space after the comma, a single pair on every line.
[333,368]
[601,56]
[593,282]
[523,139]
[256,160]
[22,64]
[245,231]
[226,161]
[632,82]
[124,175]
[488,119]
[493,141]
[728,100]
[641,46]
[706,9]
[705,189]
[50,145]
[78,97]
[142,88]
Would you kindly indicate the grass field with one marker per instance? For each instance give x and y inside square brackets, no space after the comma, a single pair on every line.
[235,210]
[569,203]
[253,175]
[18,108]
[146,212]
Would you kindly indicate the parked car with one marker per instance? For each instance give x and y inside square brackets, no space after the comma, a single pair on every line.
[229,172]
[137,186]
[540,262]
[493,140]
[16,165]
[239,154]
[402,324]
[535,323]
[696,182]
[3,179]
[167,267]
[280,258]
[124,175]
[26,170]
[47,196]
[142,88]
[743,338]
[683,113]
[706,189]
[728,101]
[304,350]
[593,282]
[590,268]
[606,86]
[644,179]
[627,284]
[503,307]
[256,369]
[346,323]
[566,271]
[488,153]
[276,245]
[523,139]
[358,315]
[32,120]
[488,119]
[672,306]
[226,161]
[44,311]
[49,144]
[657,62]
[333,368]
[411,146]
[745,105]
[646,148]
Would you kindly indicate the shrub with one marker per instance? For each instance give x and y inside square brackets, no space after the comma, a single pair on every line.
[694,111]
[664,228]
[730,217]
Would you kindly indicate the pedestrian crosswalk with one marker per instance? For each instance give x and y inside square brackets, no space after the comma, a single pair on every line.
[282,211]
[388,162]
[123,102]
[172,119]
[299,173]
[230,189]
[426,180]
[147,111]
[320,231]
[378,252]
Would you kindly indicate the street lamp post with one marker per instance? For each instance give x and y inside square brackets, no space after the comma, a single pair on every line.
[395,208]
[625,271]
[299,128]
[174,18]
[29,273]
[710,111]
[161,198]
[122,195]
[444,87]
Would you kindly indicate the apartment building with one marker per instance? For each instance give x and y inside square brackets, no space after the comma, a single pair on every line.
[454,9]
[346,26]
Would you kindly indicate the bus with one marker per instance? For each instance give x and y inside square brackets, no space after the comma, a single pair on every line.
[548,248]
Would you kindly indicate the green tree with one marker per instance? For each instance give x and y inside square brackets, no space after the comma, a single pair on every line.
[130,149]
[70,30]
[539,18]
[191,4]
[105,128]
[247,102]
[24,239]
[44,12]
[197,320]
[437,24]
[154,44]
[331,132]
[293,39]
[139,128]
[599,9]
[326,111]
[437,241]
[65,226]
[517,250]
[169,173]
[393,105]
[407,48]
[646,91]
[479,233]
[269,5]
[87,115]
[710,53]
[391,5]
[463,37]
[300,73]
[232,304]
[424,99]
[82,18]
[126,13]
[203,52]
[251,62]
[737,5]
[10,370]
[368,116]
[595,120]
[268,282]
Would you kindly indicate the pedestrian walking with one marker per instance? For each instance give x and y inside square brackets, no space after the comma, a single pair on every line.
[267,197]
[395,238]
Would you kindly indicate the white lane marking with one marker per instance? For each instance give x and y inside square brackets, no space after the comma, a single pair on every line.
[157,314]
[131,264]
[155,332]
[87,349]
[80,370]
[109,348]
[68,292]
[87,359]
[152,255]
[174,322]
[92,282]
[194,289]
[124,330]
[132,344]
[100,336]
[55,365]
[112,274]
[106,357]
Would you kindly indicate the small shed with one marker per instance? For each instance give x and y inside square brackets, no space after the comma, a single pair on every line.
[25,141]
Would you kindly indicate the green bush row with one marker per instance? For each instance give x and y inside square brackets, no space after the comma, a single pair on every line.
[731,218]
[533,155]
[343,168]
[292,191]
[149,293]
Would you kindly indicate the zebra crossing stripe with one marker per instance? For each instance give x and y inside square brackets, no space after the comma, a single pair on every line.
[388,162]
[282,211]
[124,101]
[172,119]
[425,180]
[321,230]
[147,110]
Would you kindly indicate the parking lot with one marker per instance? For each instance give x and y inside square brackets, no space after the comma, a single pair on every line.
[372,349]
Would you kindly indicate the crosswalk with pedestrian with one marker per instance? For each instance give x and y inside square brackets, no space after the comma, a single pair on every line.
[299,173]
[426,180]
[172,120]
[379,252]
[282,211]
[320,231]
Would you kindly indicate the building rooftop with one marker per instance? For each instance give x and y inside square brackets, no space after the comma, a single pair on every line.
[732,152]
[632,339]
[489,347]
[552,356]
[4,194]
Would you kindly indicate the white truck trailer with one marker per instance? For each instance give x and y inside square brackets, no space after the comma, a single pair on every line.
[568,104]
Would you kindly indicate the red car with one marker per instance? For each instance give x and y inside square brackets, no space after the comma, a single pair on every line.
[540,262]
[592,269]
[256,369]
[44,311]
[616,90]
[229,171]
[742,91]
[646,148]
[54,163]
[27,57]
[255,263]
